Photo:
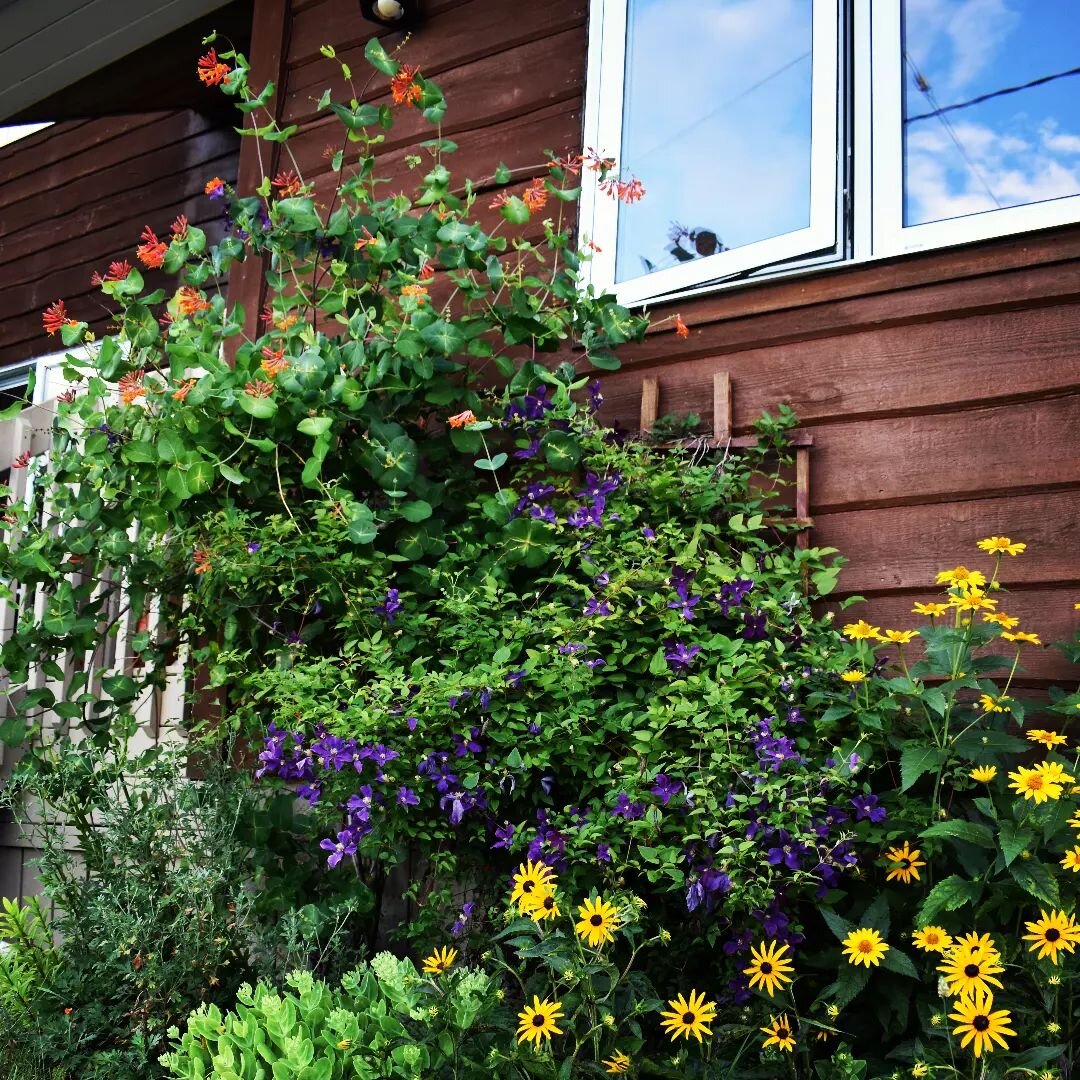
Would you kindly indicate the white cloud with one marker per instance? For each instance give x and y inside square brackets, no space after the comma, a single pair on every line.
[1059,142]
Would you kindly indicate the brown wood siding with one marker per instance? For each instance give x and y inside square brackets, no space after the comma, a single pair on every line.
[942,389]
[76,196]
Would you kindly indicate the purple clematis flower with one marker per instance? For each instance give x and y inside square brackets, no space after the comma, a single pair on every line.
[344,845]
[389,606]
[407,797]
[680,656]
[665,788]
[867,808]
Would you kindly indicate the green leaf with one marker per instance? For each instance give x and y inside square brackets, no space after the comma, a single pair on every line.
[970,832]
[170,445]
[356,119]
[1012,840]
[314,425]
[917,760]
[234,476]
[140,327]
[71,333]
[200,477]
[515,211]
[840,927]
[417,510]
[300,213]
[492,463]
[361,528]
[561,450]
[528,542]
[262,408]
[850,983]
[376,56]
[900,962]
[444,337]
[604,361]
[1035,878]
[948,895]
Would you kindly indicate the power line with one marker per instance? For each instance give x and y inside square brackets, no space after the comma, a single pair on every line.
[994,94]
[922,83]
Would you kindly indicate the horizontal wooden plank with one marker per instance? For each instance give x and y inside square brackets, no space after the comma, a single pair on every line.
[903,547]
[40,149]
[884,371]
[69,158]
[139,207]
[182,161]
[449,39]
[1001,291]
[945,457]
[479,93]
[1046,612]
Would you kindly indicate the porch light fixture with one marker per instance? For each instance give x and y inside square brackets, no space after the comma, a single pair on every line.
[396,14]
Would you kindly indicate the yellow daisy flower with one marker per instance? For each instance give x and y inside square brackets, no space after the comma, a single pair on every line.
[1047,738]
[967,971]
[779,1034]
[905,862]
[439,961]
[862,631]
[1033,784]
[972,600]
[853,677]
[981,944]
[864,946]
[1007,622]
[531,877]
[537,1021]
[1000,545]
[978,1024]
[962,577]
[935,611]
[1024,636]
[689,1017]
[617,1063]
[598,919]
[989,703]
[983,773]
[1052,933]
[920,1068]
[1074,821]
[769,967]
[900,637]
[1072,860]
[1054,772]
[931,939]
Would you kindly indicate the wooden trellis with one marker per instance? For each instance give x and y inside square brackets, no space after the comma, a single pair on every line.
[722,439]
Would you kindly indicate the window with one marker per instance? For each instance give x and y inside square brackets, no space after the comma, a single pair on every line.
[772,134]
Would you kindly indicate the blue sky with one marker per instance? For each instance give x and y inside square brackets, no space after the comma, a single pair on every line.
[1016,149]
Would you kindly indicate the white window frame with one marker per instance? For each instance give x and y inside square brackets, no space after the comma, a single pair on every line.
[603,131]
[891,236]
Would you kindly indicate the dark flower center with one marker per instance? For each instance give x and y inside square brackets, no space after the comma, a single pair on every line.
[528,886]
[549,902]
[972,970]
[689,1018]
[905,863]
[980,1023]
[766,968]
[538,1020]
[1052,934]
[597,920]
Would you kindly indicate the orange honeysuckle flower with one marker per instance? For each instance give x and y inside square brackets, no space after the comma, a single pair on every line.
[426,272]
[180,227]
[211,71]
[201,558]
[258,388]
[417,291]
[500,200]
[570,164]
[182,391]
[118,271]
[22,460]
[462,419]
[288,184]
[151,251]
[535,196]
[191,302]
[681,328]
[215,187]
[55,316]
[403,86]
[131,387]
[274,362]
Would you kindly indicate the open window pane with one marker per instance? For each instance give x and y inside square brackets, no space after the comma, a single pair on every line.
[727,113]
[727,164]
[990,117]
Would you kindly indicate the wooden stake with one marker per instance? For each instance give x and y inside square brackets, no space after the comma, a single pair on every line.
[650,403]
[721,401]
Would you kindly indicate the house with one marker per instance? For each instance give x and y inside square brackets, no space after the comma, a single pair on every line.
[869,211]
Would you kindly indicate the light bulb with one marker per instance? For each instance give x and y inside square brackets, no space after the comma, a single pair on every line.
[389,9]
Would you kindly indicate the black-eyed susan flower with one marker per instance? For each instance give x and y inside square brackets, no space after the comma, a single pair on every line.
[1050,934]
[864,946]
[439,961]
[1000,545]
[905,863]
[961,577]
[597,922]
[1022,636]
[769,968]
[931,939]
[779,1034]
[1033,784]
[617,1063]
[853,677]
[981,944]
[688,1018]
[862,631]
[979,1025]
[983,773]
[935,611]
[538,1021]
[968,970]
[900,637]
[531,877]
[1049,739]
[541,905]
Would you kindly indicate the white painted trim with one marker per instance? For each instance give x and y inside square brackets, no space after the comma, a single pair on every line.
[603,131]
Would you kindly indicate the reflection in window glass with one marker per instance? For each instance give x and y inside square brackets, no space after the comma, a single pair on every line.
[716,124]
[977,137]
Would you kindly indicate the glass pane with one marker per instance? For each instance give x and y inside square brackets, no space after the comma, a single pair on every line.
[716,125]
[991,116]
